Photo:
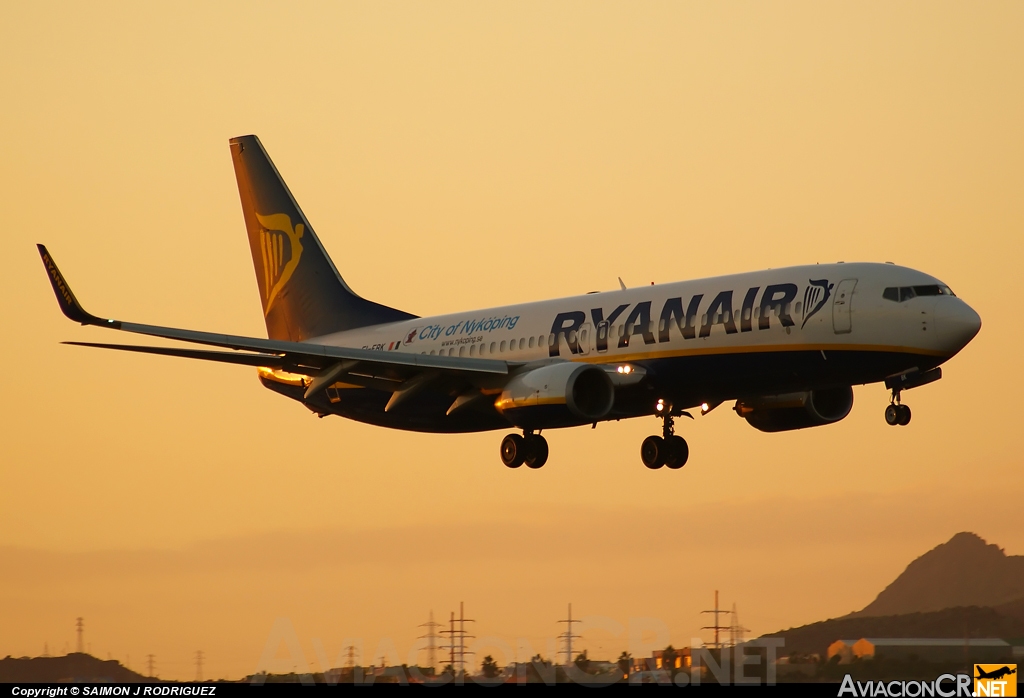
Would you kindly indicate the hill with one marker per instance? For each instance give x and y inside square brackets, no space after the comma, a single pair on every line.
[76,666]
[958,623]
[965,571]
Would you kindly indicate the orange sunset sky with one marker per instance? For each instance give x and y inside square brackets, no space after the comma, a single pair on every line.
[454,156]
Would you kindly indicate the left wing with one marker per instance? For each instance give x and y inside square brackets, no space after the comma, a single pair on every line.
[325,363]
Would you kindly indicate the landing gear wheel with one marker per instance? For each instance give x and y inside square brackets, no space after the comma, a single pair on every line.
[892,415]
[678,452]
[903,413]
[513,450]
[536,451]
[653,451]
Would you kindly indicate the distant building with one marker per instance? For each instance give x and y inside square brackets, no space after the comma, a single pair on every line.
[682,660]
[924,649]
[842,649]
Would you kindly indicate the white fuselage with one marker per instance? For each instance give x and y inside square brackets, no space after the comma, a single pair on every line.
[854,316]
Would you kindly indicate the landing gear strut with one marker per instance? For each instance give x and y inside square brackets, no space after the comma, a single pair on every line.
[897,414]
[530,448]
[668,449]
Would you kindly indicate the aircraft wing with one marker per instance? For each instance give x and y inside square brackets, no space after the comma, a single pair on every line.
[327,363]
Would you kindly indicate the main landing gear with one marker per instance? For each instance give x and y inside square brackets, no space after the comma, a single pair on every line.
[668,449]
[529,448]
[897,414]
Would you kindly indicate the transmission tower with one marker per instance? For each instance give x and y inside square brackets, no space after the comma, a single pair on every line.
[567,637]
[149,665]
[431,638]
[80,628]
[350,653]
[46,649]
[717,626]
[457,640]
[199,665]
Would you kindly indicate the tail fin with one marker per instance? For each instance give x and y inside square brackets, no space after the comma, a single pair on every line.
[303,294]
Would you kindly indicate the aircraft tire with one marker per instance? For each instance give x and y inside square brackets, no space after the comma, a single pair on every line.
[904,415]
[678,452]
[536,451]
[892,415]
[653,451]
[513,450]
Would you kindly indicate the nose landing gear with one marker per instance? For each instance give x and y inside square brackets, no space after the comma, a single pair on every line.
[897,414]
[530,448]
[668,449]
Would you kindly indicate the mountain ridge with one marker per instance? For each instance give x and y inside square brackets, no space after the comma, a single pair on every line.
[962,572]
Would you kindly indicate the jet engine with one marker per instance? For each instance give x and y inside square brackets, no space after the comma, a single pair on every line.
[812,408]
[559,394]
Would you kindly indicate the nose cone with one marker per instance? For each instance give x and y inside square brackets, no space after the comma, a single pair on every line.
[956,323]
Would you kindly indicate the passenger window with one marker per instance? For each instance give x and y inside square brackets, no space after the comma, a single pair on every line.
[461,350]
[799,305]
[891,294]
[522,343]
[472,350]
[531,342]
[492,347]
[572,336]
[704,319]
[502,348]
[431,352]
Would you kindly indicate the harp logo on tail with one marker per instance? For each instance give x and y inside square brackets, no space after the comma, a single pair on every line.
[815,297]
[281,245]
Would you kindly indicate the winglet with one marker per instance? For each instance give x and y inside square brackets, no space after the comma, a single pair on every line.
[69,305]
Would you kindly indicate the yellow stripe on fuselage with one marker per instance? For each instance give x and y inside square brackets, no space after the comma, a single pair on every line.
[606,358]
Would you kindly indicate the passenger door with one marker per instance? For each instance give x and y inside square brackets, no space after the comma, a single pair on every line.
[842,306]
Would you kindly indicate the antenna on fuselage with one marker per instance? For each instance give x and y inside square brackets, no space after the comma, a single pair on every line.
[622,285]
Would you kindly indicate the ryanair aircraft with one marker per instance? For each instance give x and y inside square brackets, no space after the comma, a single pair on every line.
[785,344]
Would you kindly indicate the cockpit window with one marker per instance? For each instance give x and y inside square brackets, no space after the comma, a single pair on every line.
[903,293]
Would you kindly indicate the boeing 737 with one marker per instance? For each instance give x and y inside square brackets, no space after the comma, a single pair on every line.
[784,345]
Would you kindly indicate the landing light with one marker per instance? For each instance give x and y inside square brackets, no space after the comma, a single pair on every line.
[660,406]
[625,369]
[704,407]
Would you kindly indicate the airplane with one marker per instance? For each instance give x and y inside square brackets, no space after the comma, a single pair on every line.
[785,345]
[994,674]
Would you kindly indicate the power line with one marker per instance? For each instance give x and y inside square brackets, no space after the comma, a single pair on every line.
[568,636]
[717,626]
[149,665]
[80,628]
[199,665]
[350,662]
[431,638]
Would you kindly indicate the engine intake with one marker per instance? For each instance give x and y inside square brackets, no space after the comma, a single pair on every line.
[558,394]
[813,408]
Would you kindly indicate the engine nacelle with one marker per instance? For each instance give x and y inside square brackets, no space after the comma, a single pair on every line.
[559,394]
[812,408]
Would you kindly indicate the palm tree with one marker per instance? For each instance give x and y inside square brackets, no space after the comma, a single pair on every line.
[625,663]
